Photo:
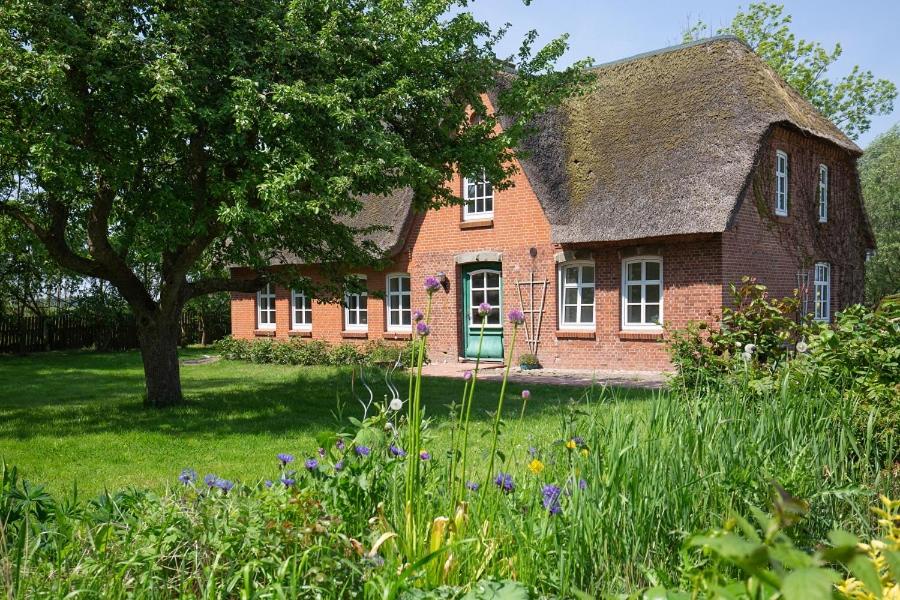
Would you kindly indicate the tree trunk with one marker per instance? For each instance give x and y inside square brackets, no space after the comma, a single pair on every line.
[158,338]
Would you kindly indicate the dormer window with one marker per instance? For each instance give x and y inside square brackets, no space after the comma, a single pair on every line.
[781,183]
[479,199]
[823,194]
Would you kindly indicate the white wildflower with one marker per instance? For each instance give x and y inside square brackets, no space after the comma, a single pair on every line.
[750,349]
[802,347]
[747,356]
[396,404]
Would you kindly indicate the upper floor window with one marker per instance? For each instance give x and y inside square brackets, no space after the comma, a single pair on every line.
[781,183]
[576,295]
[642,293]
[479,199]
[822,290]
[265,307]
[301,311]
[823,193]
[398,303]
[356,309]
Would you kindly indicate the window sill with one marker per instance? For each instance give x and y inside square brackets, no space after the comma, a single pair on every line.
[355,335]
[477,224]
[397,335]
[576,334]
[264,332]
[303,333]
[641,336]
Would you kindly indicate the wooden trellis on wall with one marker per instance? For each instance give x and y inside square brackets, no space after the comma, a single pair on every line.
[534,315]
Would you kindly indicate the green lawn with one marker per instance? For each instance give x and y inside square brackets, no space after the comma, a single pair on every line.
[77,417]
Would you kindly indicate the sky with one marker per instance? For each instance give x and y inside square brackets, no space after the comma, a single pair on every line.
[605,30]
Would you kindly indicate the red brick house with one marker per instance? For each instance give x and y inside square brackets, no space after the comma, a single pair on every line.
[636,205]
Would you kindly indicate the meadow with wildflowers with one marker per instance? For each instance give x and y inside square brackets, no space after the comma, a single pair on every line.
[411,502]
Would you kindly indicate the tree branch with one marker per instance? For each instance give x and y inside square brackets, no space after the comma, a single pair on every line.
[212,285]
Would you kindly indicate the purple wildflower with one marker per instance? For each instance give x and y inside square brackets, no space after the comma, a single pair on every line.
[422,328]
[210,480]
[312,464]
[551,495]
[362,450]
[224,484]
[425,455]
[516,316]
[188,476]
[339,465]
[472,486]
[321,452]
[339,444]
[579,441]
[397,451]
[285,459]
[467,375]
[582,484]
[526,394]
[484,309]
[417,315]
[287,481]
[532,452]
[432,284]
[268,483]
[504,481]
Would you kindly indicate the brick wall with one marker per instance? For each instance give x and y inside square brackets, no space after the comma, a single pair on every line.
[775,248]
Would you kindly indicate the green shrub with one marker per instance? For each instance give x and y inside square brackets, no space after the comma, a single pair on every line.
[529,360]
[316,352]
[345,354]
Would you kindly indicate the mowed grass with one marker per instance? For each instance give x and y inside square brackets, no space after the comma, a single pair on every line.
[77,417]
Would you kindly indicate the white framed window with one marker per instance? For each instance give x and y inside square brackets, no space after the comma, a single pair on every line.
[642,293]
[479,199]
[399,315]
[822,291]
[301,311]
[356,309]
[781,183]
[576,295]
[823,194]
[265,307]
[484,286]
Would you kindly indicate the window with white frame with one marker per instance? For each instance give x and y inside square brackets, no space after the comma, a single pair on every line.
[356,309]
[301,311]
[265,307]
[484,288]
[781,183]
[822,291]
[398,303]
[576,295]
[642,293]
[479,198]
[823,193]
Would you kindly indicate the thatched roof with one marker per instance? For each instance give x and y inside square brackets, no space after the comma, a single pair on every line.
[383,219]
[663,143]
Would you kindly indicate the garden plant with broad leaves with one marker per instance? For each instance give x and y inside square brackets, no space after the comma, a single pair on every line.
[185,137]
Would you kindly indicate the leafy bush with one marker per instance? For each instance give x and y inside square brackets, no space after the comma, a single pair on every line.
[315,352]
[529,360]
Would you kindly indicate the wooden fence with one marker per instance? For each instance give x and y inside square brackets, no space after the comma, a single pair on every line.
[71,331]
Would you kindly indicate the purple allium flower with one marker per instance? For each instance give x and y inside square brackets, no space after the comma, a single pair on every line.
[422,328]
[526,394]
[417,315]
[484,309]
[188,476]
[321,452]
[339,444]
[516,316]
[472,486]
[339,465]
[397,451]
[312,464]
[210,480]
[467,375]
[287,481]
[504,481]
[285,458]
[362,450]
[425,455]
[551,495]
[432,284]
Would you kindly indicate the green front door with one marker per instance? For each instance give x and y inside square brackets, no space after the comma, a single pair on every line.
[482,282]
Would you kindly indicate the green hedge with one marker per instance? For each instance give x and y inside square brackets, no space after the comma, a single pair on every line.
[314,352]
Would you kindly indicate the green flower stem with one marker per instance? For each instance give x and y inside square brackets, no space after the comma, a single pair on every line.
[455,439]
[468,411]
[512,344]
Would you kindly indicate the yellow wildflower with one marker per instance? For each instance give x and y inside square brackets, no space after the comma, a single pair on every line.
[571,444]
[536,466]
[584,452]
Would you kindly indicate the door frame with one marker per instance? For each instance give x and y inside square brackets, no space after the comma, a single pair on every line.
[466,272]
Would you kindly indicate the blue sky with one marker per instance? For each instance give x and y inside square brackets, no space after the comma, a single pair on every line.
[869,31]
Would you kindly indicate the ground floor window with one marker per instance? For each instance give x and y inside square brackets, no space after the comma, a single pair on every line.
[822,291]
[576,295]
[398,302]
[356,309]
[265,307]
[301,310]
[642,293]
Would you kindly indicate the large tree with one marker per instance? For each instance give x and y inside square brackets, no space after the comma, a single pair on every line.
[849,101]
[172,134]
[879,171]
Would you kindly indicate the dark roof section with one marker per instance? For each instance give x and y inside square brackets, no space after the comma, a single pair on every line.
[663,143]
